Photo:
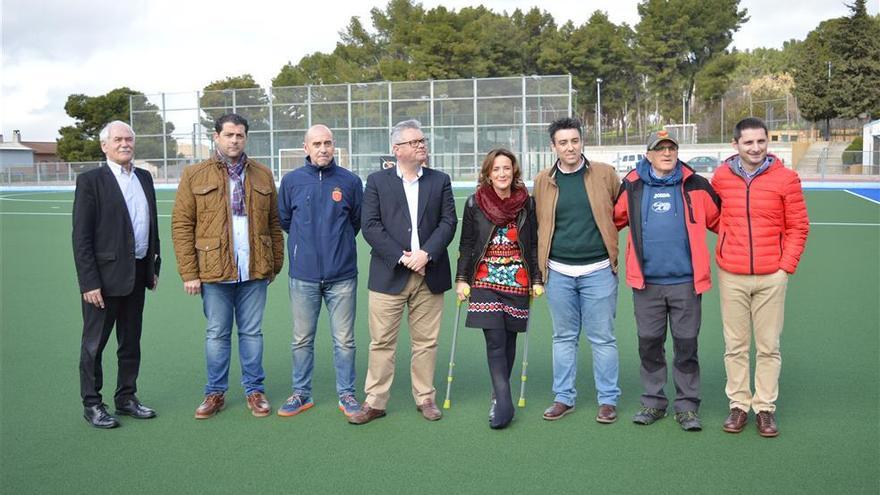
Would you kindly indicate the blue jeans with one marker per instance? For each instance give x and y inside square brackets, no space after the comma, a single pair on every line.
[243,302]
[305,303]
[588,302]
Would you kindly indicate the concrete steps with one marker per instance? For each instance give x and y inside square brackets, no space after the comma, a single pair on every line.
[823,154]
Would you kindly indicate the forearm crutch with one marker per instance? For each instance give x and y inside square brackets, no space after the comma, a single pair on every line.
[525,363]
[449,377]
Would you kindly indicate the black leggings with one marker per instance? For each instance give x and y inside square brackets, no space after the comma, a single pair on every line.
[501,353]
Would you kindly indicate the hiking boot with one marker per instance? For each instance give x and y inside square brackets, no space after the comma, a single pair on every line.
[688,420]
[648,415]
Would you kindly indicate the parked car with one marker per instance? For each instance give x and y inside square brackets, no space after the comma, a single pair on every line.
[703,163]
[623,163]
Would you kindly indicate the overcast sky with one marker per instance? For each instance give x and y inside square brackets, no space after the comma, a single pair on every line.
[54,48]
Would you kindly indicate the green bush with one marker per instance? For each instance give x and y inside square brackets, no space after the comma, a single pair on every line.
[853,153]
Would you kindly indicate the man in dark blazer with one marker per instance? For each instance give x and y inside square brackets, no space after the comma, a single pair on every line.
[408,218]
[116,252]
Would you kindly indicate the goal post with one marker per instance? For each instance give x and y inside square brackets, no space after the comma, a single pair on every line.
[683,133]
[294,158]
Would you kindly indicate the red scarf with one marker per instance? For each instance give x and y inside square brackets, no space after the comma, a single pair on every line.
[501,211]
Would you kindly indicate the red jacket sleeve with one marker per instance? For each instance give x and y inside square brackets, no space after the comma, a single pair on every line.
[797,225]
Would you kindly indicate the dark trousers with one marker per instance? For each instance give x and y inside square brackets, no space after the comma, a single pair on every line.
[501,353]
[126,313]
[680,306]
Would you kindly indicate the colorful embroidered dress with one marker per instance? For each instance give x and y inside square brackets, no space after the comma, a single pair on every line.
[500,292]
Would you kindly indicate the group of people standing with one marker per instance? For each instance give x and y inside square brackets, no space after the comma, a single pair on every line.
[563,240]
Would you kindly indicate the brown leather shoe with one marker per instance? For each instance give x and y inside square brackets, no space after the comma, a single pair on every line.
[212,404]
[258,404]
[365,415]
[736,420]
[429,410]
[766,422]
[606,414]
[556,411]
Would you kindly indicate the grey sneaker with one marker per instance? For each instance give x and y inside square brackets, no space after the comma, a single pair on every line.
[492,410]
[689,421]
[648,415]
[349,405]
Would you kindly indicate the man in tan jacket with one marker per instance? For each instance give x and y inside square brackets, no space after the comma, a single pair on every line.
[577,255]
[229,247]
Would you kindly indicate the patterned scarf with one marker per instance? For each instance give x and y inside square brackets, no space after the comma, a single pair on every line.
[501,211]
[236,173]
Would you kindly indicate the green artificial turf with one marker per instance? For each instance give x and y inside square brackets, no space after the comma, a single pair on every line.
[828,405]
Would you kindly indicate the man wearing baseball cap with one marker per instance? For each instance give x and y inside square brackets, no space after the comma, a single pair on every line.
[668,208]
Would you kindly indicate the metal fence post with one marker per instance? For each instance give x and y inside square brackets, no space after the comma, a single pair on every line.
[270,96]
[476,131]
[164,141]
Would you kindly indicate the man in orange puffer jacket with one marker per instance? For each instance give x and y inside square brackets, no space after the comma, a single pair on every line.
[762,233]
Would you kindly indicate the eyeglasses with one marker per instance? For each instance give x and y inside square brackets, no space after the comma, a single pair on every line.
[669,148]
[415,143]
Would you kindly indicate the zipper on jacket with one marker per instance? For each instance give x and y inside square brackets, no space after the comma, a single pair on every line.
[687,202]
[633,204]
[749,221]
[318,219]
[231,242]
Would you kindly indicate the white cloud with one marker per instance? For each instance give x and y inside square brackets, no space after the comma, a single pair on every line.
[53,48]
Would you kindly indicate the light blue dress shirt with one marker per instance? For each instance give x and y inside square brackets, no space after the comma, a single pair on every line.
[138,209]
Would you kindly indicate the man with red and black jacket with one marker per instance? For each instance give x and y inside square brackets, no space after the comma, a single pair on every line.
[762,234]
[668,208]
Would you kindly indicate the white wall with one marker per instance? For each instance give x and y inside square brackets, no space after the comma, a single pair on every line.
[870,139]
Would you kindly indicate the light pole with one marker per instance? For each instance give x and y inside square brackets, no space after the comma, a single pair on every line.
[599,109]
[828,120]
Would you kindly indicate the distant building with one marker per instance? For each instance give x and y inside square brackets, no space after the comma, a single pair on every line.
[871,144]
[14,153]
[44,151]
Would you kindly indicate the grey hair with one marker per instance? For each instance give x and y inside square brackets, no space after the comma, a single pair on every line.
[401,126]
[104,135]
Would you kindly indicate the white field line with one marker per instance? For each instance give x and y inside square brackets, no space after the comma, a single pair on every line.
[862,197]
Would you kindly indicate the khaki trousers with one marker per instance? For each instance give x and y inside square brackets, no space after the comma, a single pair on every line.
[386,311]
[752,303]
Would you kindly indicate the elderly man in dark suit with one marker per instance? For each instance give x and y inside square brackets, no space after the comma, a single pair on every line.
[116,252]
[408,218]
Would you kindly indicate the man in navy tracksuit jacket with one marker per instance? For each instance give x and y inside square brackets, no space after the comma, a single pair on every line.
[319,205]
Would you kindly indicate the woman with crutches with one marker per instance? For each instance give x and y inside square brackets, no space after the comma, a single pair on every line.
[497,269]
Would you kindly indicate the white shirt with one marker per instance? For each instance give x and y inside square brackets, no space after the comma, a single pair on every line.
[578,270]
[411,190]
[241,245]
[136,203]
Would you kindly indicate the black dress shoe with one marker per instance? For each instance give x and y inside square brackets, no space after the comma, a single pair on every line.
[133,408]
[98,417]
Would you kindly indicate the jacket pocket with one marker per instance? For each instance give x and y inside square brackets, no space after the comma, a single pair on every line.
[265,262]
[261,198]
[208,250]
[105,257]
[207,197]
